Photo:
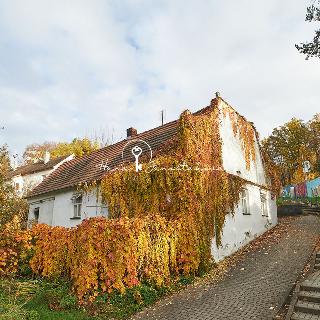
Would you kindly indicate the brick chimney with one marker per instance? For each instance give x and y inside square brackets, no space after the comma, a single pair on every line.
[131,132]
[46,157]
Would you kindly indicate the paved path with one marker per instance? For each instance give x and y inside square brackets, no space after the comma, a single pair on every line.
[253,289]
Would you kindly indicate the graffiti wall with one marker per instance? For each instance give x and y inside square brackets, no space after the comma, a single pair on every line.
[310,189]
[313,188]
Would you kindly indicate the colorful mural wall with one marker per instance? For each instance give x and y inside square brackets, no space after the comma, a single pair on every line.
[313,188]
[307,189]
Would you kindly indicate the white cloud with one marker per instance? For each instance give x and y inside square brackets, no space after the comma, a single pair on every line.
[69,68]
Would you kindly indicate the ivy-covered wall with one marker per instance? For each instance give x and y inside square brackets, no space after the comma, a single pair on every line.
[164,221]
[205,193]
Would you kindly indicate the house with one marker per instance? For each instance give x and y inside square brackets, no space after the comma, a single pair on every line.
[25,178]
[58,202]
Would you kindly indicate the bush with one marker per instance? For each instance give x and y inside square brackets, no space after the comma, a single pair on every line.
[104,255]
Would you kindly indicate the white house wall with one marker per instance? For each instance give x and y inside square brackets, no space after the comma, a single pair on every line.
[58,208]
[233,156]
[45,206]
[28,182]
[240,229]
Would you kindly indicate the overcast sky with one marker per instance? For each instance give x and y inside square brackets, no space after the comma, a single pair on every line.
[69,68]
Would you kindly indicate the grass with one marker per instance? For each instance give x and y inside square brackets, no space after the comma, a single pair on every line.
[27,299]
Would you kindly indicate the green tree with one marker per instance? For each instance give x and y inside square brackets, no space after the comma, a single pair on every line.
[312,48]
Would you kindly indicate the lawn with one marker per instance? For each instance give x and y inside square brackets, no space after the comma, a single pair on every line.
[29,299]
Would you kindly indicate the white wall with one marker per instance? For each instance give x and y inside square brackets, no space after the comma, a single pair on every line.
[45,206]
[28,182]
[57,209]
[240,229]
[233,156]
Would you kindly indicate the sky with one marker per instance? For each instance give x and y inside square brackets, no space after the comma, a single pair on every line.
[79,68]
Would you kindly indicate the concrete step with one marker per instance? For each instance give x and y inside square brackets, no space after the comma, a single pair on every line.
[311,211]
[311,296]
[306,286]
[307,307]
[304,316]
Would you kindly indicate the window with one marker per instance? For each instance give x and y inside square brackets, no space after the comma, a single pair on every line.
[244,198]
[77,202]
[36,214]
[17,186]
[264,208]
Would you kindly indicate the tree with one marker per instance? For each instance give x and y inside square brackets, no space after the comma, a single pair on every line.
[78,147]
[292,144]
[312,49]
[35,152]
[11,205]
[314,143]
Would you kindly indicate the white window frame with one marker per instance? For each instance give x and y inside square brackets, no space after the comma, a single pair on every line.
[77,205]
[264,204]
[245,204]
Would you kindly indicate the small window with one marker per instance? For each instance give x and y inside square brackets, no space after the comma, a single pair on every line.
[17,186]
[36,212]
[244,198]
[264,208]
[77,203]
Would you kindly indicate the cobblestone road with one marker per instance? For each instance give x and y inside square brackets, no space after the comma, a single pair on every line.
[253,289]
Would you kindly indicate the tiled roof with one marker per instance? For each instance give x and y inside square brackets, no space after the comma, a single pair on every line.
[88,168]
[36,167]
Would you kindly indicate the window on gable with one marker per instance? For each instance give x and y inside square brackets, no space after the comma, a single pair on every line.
[244,198]
[264,207]
[77,204]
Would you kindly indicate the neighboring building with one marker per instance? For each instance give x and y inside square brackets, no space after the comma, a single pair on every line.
[57,202]
[27,177]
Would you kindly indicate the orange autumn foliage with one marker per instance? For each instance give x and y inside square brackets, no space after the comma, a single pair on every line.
[104,254]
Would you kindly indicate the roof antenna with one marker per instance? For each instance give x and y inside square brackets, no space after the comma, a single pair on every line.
[162,117]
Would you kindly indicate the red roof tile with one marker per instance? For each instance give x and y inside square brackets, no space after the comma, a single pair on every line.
[88,168]
[36,167]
